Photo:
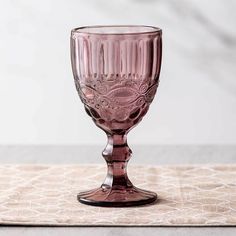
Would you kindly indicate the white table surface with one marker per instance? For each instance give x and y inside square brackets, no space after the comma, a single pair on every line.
[156,155]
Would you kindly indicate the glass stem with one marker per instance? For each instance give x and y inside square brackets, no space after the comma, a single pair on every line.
[117,154]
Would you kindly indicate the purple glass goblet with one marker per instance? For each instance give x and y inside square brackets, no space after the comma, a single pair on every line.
[116,71]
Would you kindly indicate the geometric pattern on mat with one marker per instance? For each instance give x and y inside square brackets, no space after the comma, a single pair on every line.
[200,195]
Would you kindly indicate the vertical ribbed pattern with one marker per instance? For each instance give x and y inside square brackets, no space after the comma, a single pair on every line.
[126,58]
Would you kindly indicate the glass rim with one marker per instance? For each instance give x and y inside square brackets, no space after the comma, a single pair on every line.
[85,30]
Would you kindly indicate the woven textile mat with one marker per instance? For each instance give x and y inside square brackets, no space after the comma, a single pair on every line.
[188,196]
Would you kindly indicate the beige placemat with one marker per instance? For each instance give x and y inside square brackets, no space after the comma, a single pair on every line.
[188,195]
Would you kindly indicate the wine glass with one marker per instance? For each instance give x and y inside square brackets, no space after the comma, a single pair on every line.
[116,72]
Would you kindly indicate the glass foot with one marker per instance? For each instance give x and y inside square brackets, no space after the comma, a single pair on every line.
[110,197]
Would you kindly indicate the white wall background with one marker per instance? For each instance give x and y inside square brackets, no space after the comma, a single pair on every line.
[196,100]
